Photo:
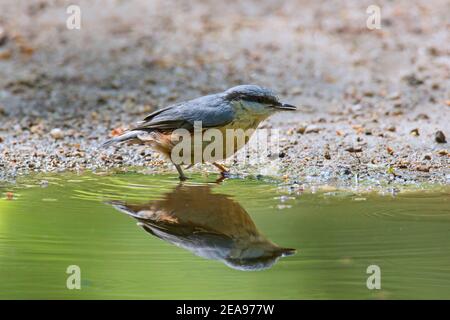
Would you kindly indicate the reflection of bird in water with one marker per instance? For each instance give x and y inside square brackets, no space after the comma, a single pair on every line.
[210,225]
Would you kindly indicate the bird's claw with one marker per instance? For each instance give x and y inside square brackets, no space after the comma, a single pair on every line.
[225,174]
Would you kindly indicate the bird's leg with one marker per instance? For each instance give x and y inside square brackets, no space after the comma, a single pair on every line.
[180,172]
[220,179]
[223,170]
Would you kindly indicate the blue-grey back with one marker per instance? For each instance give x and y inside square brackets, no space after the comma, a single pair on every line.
[212,110]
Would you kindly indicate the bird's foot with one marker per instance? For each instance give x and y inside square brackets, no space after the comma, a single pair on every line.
[225,174]
[221,167]
[220,179]
[181,176]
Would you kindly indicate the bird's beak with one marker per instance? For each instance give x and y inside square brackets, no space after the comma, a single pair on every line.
[285,106]
[286,252]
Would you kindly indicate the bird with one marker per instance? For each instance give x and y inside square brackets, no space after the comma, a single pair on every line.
[209,224]
[240,107]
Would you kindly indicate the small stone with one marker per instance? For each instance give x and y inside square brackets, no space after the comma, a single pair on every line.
[3,36]
[57,133]
[427,157]
[301,129]
[5,54]
[347,171]
[412,80]
[442,152]
[312,129]
[403,164]
[423,168]
[37,128]
[394,96]
[390,150]
[433,51]
[422,116]
[391,129]
[354,149]
[415,132]
[296,91]
[440,137]
[327,155]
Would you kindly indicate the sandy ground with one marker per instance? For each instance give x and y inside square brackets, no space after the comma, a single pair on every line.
[371,100]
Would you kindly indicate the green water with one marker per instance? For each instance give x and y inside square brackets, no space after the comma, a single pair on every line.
[147,237]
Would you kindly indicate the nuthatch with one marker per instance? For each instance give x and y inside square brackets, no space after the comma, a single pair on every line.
[210,225]
[241,107]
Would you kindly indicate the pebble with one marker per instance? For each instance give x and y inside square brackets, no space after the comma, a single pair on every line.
[312,129]
[440,137]
[302,128]
[423,168]
[413,80]
[3,36]
[415,132]
[390,150]
[422,116]
[354,149]
[391,129]
[57,133]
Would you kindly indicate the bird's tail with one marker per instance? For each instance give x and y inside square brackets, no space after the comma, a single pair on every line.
[127,136]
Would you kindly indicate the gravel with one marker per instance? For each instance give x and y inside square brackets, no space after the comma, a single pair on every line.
[374,104]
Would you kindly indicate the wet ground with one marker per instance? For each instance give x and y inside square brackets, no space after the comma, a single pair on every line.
[371,101]
[135,236]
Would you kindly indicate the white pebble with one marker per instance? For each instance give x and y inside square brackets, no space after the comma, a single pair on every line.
[57,133]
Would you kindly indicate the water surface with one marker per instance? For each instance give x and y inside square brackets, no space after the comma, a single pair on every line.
[148,237]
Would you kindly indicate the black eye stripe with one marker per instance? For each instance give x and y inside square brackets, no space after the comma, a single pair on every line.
[255,98]
[266,100]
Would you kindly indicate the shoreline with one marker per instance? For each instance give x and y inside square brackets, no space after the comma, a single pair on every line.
[282,186]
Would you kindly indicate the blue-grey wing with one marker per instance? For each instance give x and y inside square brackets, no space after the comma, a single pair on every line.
[212,111]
